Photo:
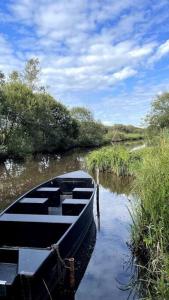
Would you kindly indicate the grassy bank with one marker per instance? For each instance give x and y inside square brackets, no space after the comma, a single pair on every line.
[151,222]
[150,231]
[116,159]
[122,133]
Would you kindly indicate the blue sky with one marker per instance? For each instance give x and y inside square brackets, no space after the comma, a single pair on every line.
[110,56]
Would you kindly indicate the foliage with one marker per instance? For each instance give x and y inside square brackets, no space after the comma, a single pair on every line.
[116,159]
[151,221]
[31,73]
[159,115]
[120,132]
[91,132]
[33,122]
[82,114]
[15,76]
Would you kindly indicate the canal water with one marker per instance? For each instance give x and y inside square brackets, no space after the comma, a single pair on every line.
[108,273]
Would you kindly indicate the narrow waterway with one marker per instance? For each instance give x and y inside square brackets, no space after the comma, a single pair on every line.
[109,270]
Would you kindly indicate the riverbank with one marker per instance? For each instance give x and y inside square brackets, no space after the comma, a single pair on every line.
[115,159]
[151,222]
[149,168]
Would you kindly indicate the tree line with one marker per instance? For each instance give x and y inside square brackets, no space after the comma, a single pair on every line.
[32,121]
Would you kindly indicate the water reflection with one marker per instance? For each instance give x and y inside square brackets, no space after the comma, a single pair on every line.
[115,184]
[18,177]
[109,273]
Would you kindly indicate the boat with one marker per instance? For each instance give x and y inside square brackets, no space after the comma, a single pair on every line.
[41,232]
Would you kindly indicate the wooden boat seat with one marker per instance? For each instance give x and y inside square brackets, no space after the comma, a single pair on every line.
[48,189]
[37,231]
[36,206]
[84,193]
[73,206]
[34,200]
[52,193]
[29,218]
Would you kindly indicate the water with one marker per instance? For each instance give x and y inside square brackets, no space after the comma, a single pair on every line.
[108,272]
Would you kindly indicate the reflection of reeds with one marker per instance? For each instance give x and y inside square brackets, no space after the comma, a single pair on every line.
[115,184]
[151,222]
[116,159]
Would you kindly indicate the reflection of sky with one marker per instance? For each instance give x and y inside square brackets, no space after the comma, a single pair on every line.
[107,272]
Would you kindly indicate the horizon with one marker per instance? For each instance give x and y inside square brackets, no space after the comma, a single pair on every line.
[112,59]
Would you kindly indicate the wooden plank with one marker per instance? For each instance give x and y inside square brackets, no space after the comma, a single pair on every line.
[48,189]
[37,218]
[75,201]
[34,200]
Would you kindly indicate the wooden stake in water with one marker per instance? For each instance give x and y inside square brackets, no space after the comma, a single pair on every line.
[97,199]
[71,272]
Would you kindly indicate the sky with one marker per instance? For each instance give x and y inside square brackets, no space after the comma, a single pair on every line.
[109,56]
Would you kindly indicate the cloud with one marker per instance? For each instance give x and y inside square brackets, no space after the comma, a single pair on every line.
[87,46]
[8,59]
[124,73]
[161,51]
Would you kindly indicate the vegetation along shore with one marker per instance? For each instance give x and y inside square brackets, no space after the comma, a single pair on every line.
[149,167]
[32,121]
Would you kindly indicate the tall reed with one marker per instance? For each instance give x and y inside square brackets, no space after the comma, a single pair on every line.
[151,221]
[116,159]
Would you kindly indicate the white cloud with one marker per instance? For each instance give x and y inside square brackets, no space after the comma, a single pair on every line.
[161,51]
[124,73]
[142,51]
[85,45]
[8,59]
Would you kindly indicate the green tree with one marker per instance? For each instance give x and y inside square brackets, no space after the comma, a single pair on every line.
[2,78]
[91,132]
[14,76]
[31,73]
[17,102]
[159,115]
[82,114]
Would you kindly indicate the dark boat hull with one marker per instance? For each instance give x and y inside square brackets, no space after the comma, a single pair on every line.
[48,264]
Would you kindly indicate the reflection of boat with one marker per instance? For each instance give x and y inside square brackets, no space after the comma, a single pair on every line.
[82,258]
[40,230]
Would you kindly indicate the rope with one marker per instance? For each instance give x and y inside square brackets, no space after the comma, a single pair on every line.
[56,248]
[47,289]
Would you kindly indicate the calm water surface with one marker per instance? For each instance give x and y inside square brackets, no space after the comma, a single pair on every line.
[110,270]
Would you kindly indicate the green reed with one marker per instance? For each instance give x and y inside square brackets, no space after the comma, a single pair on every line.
[150,215]
[115,159]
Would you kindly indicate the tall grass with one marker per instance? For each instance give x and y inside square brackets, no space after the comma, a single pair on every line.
[151,221]
[116,159]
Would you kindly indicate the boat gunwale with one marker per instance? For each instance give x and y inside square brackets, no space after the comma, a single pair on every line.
[51,247]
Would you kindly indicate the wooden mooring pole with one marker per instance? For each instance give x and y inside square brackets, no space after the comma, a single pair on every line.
[97,198]
[71,262]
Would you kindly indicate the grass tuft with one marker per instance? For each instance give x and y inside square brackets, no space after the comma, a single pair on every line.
[151,221]
[116,159]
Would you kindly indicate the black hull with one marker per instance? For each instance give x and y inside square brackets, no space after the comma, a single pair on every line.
[40,282]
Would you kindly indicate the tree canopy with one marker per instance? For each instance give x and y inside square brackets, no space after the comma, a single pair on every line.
[159,114]
[91,132]
[32,121]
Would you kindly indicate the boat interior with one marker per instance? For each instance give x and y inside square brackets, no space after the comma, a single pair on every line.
[39,219]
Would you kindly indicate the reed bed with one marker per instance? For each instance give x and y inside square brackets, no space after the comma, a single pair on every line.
[151,222]
[150,213]
[116,159]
